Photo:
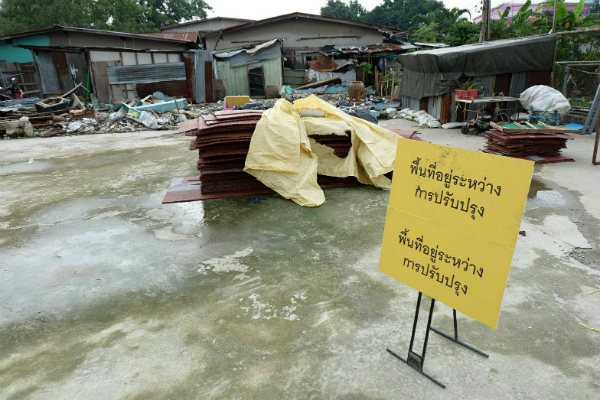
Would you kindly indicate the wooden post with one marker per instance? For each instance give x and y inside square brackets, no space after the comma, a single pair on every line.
[484,20]
[566,81]
[554,17]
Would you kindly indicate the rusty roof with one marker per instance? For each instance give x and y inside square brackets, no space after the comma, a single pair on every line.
[191,36]
[376,48]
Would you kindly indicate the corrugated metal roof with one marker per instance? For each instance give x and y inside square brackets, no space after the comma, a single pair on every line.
[191,36]
[146,73]
[306,16]
[59,28]
[376,48]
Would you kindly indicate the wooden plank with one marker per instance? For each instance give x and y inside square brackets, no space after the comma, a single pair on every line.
[208,80]
[101,79]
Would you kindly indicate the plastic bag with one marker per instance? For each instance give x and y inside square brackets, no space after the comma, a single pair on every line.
[545,98]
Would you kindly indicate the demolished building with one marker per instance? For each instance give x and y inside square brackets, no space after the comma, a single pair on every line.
[113,65]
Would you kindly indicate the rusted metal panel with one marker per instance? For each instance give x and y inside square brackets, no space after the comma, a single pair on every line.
[189,81]
[78,69]
[146,73]
[169,88]
[517,83]
[202,93]
[50,84]
[538,78]
[424,104]
[434,106]
[502,84]
[59,58]
[446,108]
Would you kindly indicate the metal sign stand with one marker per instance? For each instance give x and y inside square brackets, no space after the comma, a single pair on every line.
[416,361]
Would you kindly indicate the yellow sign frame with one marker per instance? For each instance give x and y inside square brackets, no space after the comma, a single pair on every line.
[452,223]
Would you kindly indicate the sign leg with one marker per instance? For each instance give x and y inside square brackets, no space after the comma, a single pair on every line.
[414,360]
[455,338]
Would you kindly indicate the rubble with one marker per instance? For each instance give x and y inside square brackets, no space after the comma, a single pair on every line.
[159,112]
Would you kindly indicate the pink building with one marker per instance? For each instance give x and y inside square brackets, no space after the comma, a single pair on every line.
[515,7]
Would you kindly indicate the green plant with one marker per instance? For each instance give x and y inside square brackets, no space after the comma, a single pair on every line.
[367,68]
[468,85]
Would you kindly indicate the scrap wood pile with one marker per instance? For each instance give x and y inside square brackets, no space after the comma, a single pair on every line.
[540,143]
[67,114]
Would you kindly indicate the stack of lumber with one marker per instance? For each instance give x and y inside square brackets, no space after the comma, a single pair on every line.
[540,143]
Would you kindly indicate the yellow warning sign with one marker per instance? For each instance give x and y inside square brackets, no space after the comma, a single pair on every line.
[452,223]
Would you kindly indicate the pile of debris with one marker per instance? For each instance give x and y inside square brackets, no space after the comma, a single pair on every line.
[540,143]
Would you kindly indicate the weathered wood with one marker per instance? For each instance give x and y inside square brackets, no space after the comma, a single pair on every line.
[331,81]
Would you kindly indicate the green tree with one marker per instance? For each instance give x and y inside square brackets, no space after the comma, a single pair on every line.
[336,8]
[400,13]
[135,16]
[565,20]
[435,26]
[518,26]
[462,32]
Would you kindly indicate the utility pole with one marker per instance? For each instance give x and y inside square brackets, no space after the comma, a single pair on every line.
[554,17]
[485,22]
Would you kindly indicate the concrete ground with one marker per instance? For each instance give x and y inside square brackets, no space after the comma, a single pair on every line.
[105,293]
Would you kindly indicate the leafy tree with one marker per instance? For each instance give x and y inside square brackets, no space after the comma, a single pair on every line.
[435,25]
[400,13]
[136,16]
[518,26]
[336,8]
[566,20]
[462,32]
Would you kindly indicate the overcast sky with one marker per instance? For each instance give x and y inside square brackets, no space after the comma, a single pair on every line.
[259,9]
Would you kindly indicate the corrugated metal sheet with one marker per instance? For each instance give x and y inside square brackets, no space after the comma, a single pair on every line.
[434,105]
[191,36]
[236,79]
[50,84]
[78,69]
[146,73]
[517,83]
[200,57]
[176,89]
[409,102]
[267,53]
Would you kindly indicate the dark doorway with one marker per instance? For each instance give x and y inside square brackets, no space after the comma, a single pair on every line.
[256,79]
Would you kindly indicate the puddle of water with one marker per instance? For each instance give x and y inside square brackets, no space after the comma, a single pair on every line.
[24,167]
[544,195]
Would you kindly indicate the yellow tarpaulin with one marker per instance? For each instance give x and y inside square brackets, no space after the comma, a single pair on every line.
[284,158]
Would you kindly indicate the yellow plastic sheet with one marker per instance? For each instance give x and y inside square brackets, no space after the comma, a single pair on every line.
[284,158]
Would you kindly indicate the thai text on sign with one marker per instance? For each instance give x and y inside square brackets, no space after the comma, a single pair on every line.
[452,223]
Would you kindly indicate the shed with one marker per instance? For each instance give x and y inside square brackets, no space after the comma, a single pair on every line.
[117,65]
[430,77]
[305,39]
[249,71]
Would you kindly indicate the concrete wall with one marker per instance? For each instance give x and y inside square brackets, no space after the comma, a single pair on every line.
[293,30]
[205,26]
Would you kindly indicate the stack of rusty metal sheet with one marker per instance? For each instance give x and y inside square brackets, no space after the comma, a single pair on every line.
[542,145]
[341,144]
[223,140]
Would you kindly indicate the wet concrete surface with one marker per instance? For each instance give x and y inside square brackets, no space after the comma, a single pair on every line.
[105,293]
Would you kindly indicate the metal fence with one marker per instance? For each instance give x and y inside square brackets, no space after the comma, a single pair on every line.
[577,70]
